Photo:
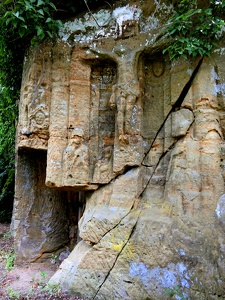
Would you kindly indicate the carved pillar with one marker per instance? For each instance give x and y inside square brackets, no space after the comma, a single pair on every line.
[59,115]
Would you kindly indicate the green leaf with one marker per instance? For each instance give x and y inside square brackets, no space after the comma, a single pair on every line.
[40,2]
[59,23]
[48,20]
[52,5]
[16,14]
[28,6]
[41,12]
[8,2]
[14,23]
[39,30]
[42,36]
[8,13]
[22,31]
[21,18]
[50,34]
[8,21]
[34,41]
[46,9]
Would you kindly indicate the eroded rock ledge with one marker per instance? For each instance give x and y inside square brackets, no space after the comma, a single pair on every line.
[120,157]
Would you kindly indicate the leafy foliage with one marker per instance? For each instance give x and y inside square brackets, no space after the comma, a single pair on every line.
[195,28]
[8,113]
[30,18]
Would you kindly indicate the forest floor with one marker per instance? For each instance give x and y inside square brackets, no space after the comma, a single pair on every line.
[28,281]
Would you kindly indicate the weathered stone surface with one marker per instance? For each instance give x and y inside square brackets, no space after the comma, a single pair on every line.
[33,128]
[40,217]
[181,122]
[106,207]
[93,264]
[140,174]
[220,209]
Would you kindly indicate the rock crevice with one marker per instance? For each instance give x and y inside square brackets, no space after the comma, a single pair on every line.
[120,157]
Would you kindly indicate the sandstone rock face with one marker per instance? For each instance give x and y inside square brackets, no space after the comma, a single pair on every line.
[120,155]
[40,218]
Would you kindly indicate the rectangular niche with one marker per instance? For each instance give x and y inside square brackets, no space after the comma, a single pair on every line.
[156,98]
[102,120]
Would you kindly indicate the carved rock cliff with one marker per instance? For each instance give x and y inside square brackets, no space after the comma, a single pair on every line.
[120,156]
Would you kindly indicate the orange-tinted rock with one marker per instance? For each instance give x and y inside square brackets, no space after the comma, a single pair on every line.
[100,133]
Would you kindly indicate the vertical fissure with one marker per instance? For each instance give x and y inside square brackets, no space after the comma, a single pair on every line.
[177,104]
[132,231]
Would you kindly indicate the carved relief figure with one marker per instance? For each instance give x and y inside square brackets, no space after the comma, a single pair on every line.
[126,91]
[102,124]
[35,97]
[75,160]
[124,97]
[39,118]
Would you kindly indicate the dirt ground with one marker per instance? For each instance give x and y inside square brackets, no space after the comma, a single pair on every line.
[27,281]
